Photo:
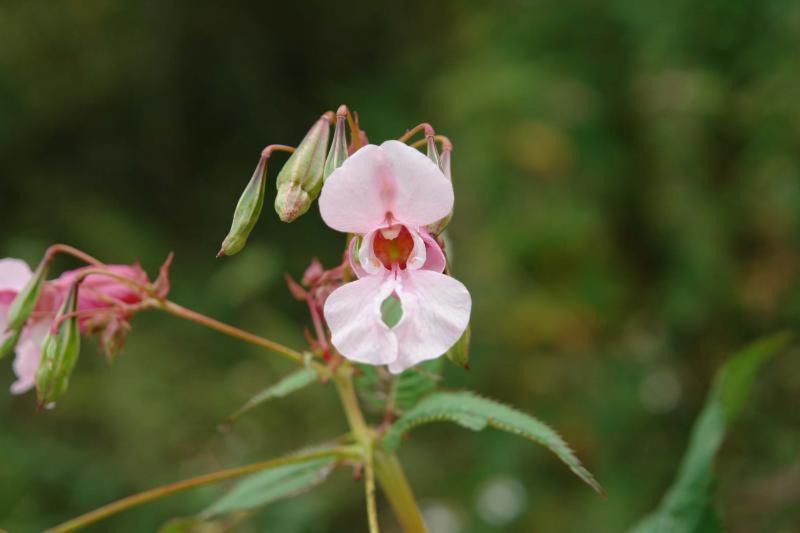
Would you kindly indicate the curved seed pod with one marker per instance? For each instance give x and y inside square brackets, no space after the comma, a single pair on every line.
[247,210]
[25,302]
[60,350]
[300,180]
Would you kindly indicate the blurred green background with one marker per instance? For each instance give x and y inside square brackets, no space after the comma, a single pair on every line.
[627,215]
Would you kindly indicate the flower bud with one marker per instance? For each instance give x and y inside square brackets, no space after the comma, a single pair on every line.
[459,353]
[25,302]
[338,151]
[60,350]
[300,180]
[444,165]
[247,210]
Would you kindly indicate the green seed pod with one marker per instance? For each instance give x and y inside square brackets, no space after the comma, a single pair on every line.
[10,342]
[59,353]
[338,151]
[459,353]
[25,302]
[444,165]
[247,210]
[300,180]
[433,153]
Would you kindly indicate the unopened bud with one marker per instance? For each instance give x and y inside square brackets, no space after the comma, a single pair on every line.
[247,210]
[60,350]
[10,341]
[459,353]
[300,180]
[338,151]
[25,302]
[444,165]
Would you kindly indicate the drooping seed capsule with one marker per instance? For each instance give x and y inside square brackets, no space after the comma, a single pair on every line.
[444,165]
[247,210]
[338,151]
[25,302]
[300,180]
[459,353]
[60,350]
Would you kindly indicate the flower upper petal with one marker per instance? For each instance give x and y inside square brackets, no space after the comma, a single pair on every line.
[353,313]
[14,274]
[354,198]
[436,312]
[376,181]
[423,194]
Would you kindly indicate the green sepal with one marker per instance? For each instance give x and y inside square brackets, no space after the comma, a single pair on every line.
[10,342]
[338,151]
[459,353]
[25,302]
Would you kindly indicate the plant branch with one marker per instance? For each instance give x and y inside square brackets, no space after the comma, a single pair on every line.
[194,316]
[74,252]
[199,481]
[427,128]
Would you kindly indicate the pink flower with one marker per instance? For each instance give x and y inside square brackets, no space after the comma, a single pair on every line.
[387,194]
[102,306]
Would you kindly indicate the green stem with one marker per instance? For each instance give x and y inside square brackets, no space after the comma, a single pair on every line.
[387,468]
[393,481]
[186,484]
[187,314]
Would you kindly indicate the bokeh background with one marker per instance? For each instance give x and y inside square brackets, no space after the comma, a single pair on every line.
[628,214]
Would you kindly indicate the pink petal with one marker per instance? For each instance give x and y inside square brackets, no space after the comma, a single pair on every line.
[388,179]
[354,197]
[352,257]
[434,256]
[353,313]
[366,255]
[28,355]
[423,194]
[436,312]
[14,274]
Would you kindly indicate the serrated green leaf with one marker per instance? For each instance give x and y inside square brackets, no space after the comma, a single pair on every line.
[476,413]
[289,384]
[687,506]
[270,485]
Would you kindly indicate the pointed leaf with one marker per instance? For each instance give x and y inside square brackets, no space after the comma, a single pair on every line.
[476,413]
[687,506]
[289,384]
[271,485]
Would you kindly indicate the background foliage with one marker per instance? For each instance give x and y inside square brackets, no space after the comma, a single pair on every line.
[628,214]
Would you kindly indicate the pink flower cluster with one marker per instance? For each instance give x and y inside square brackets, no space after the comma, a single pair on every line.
[104,307]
